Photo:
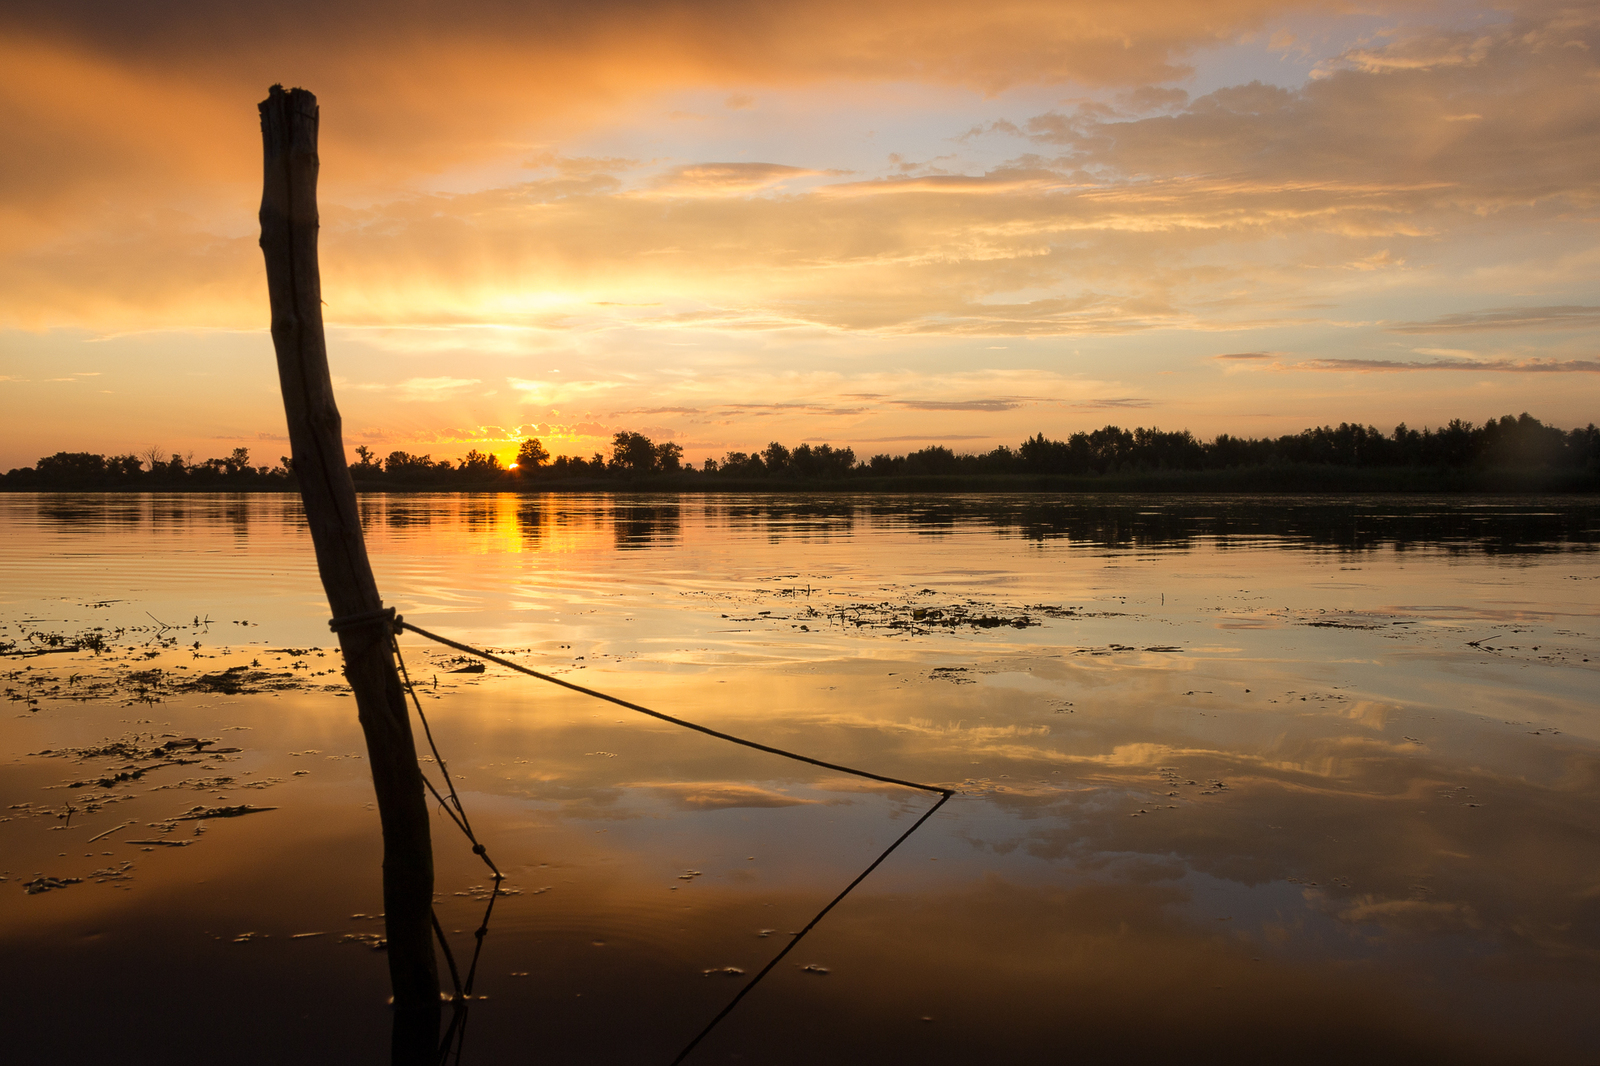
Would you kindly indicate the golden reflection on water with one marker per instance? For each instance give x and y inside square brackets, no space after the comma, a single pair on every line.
[1253,780]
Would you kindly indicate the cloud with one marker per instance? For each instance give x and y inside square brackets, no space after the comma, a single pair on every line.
[556,391]
[434,388]
[922,438]
[1218,213]
[1577,316]
[1372,139]
[957,405]
[1509,366]
[725,179]
[797,407]
[109,116]
[1244,355]
[1119,402]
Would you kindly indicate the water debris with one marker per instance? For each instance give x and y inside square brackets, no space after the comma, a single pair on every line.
[722,971]
[45,884]
[1342,623]
[481,893]
[108,832]
[905,615]
[953,617]
[113,874]
[371,940]
[305,936]
[234,681]
[123,670]
[215,783]
[220,812]
[39,642]
[139,755]
[129,748]
[814,968]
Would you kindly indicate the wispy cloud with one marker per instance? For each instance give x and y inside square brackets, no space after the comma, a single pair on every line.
[922,437]
[1506,366]
[1119,402]
[725,179]
[1576,316]
[957,405]
[434,388]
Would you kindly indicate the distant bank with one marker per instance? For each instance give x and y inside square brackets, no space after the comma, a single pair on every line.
[1509,454]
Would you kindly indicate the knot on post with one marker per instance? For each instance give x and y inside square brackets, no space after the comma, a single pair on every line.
[479,849]
[351,621]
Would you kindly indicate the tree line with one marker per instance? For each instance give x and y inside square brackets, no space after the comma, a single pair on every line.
[1510,443]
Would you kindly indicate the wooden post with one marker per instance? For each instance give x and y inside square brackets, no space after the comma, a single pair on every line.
[294,283]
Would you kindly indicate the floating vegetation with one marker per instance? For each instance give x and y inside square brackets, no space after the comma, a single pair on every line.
[113,874]
[803,607]
[481,893]
[40,642]
[237,811]
[372,940]
[139,755]
[902,616]
[137,665]
[46,884]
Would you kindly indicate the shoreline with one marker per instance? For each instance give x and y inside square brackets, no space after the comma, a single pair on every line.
[1291,480]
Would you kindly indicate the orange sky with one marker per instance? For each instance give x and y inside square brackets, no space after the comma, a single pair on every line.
[879,225]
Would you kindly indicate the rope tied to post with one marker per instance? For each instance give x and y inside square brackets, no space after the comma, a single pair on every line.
[450,803]
[395,624]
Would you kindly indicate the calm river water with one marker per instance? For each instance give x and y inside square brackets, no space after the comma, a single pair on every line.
[1240,780]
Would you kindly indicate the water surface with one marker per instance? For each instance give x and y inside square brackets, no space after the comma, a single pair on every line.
[1239,780]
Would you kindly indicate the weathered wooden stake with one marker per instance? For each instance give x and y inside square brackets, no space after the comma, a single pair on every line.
[294,283]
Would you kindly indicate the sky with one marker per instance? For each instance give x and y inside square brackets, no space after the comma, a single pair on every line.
[880,225]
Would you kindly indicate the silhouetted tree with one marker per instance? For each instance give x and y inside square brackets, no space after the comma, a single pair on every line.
[936,459]
[478,464]
[531,455]
[776,458]
[632,453]
[668,458]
